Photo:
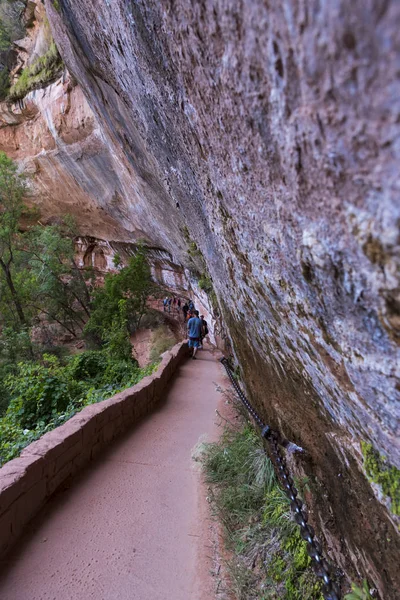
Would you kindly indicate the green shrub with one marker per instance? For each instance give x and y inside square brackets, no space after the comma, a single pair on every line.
[6,369]
[120,372]
[15,345]
[88,365]
[122,301]
[45,395]
[205,283]
[5,40]
[357,593]
[117,338]
[40,392]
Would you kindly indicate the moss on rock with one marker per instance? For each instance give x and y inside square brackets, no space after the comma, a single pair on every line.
[381,472]
[42,71]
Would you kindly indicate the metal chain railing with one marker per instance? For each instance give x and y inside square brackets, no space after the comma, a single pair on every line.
[330,589]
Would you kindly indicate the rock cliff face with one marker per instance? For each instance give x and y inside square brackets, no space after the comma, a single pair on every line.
[54,136]
[263,137]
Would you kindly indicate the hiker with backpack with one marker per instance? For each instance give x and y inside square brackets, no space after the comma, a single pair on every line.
[194,328]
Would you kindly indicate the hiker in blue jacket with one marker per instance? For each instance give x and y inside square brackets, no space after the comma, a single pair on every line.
[195,326]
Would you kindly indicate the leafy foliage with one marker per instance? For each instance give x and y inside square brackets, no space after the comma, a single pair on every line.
[11,25]
[362,593]
[12,189]
[119,306]
[58,288]
[205,283]
[15,346]
[38,273]
[11,28]
[5,40]
[41,284]
[40,392]
[45,395]
[117,341]
[88,365]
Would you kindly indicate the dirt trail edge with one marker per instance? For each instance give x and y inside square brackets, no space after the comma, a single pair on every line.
[130,527]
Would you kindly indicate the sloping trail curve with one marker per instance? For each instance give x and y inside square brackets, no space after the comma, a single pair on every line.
[131,527]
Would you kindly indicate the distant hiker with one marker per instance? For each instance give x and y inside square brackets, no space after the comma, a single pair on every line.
[185,309]
[204,330]
[194,332]
[165,302]
[191,305]
[169,304]
[174,301]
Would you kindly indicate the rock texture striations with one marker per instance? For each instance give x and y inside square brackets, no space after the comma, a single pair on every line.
[54,136]
[263,137]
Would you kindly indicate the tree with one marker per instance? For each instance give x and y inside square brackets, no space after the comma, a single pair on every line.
[59,288]
[132,285]
[12,189]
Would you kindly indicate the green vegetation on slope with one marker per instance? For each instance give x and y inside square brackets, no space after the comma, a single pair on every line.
[268,556]
[43,70]
[45,394]
[43,290]
[120,304]
[38,273]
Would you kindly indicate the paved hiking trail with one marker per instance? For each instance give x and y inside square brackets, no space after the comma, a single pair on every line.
[133,525]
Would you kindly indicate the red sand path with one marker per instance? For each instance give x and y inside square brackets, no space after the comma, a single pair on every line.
[132,525]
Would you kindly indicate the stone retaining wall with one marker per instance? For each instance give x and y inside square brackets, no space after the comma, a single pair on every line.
[27,482]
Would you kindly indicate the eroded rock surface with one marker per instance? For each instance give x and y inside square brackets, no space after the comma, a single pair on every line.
[268,134]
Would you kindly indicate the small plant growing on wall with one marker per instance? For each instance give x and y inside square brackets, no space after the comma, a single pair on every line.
[359,593]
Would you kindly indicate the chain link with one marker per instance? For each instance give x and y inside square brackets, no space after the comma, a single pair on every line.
[322,569]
